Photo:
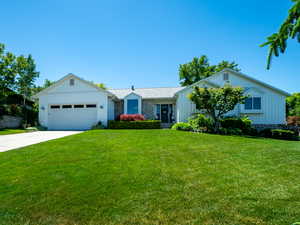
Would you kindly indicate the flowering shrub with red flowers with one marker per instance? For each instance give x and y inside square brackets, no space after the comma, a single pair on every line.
[131,117]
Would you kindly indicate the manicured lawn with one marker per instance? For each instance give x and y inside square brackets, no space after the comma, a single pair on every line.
[151,177]
[11,131]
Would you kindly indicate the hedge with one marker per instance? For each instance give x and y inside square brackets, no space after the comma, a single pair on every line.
[283,134]
[143,124]
[182,126]
[279,134]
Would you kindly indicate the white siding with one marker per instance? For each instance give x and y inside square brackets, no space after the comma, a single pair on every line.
[80,93]
[111,109]
[273,103]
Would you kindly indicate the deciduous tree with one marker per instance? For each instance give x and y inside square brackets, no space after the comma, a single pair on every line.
[217,101]
[293,104]
[199,68]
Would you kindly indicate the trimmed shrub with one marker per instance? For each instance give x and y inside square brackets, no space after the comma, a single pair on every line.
[140,124]
[131,117]
[267,133]
[182,126]
[98,126]
[231,131]
[244,124]
[201,123]
[279,134]
[283,134]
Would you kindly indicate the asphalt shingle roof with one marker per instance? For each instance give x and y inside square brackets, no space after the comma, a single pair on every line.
[150,93]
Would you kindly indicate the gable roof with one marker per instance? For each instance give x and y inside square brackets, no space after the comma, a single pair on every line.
[69,76]
[198,82]
[147,93]
[240,75]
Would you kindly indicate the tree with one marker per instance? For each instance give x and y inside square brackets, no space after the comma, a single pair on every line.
[8,72]
[37,89]
[101,85]
[289,29]
[217,101]
[199,68]
[27,75]
[293,104]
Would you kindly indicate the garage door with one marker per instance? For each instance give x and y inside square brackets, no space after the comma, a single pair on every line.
[72,117]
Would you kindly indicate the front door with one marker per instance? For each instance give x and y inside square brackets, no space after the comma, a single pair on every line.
[164,113]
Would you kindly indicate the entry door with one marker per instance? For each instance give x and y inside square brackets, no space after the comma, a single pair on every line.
[164,113]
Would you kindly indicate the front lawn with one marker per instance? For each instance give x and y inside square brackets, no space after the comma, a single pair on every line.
[151,177]
[11,131]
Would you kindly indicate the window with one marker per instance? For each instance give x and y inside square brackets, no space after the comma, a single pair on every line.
[256,103]
[253,103]
[72,82]
[78,106]
[91,106]
[67,106]
[132,106]
[55,106]
[158,111]
[225,76]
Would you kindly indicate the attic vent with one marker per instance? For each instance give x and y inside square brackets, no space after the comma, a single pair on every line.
[72,82]
[225,76]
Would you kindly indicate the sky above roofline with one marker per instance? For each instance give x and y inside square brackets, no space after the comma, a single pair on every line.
[142,43]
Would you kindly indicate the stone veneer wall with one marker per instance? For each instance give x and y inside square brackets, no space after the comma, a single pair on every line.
[148,107]
[10,122]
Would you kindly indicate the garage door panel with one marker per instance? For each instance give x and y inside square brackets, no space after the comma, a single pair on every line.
[72,118]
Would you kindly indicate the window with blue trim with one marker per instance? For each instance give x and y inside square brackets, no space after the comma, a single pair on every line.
[248,103]
[253,103]
[132,106]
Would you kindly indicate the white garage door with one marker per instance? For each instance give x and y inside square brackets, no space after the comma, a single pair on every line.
[72,117]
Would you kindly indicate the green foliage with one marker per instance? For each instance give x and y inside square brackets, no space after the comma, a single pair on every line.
[279,134]
[283,134]
[231,131]
[217,101]
[199,68]
[293,104]
[98,126]
[289,29]
[11,109]
[101,85]
[182,126]
[141,124]
[36,89]
[8,72]
[243,124]
[201,123]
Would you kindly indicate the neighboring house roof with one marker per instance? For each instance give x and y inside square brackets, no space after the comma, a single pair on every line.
[240,75]
[70,75]
[147,93]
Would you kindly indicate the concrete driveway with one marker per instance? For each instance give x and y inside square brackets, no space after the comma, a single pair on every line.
[12,141]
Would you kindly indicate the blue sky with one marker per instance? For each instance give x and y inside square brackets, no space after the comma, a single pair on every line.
[121,43]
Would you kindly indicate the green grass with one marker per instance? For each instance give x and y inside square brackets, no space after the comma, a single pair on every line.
[151,177]
[11,131]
